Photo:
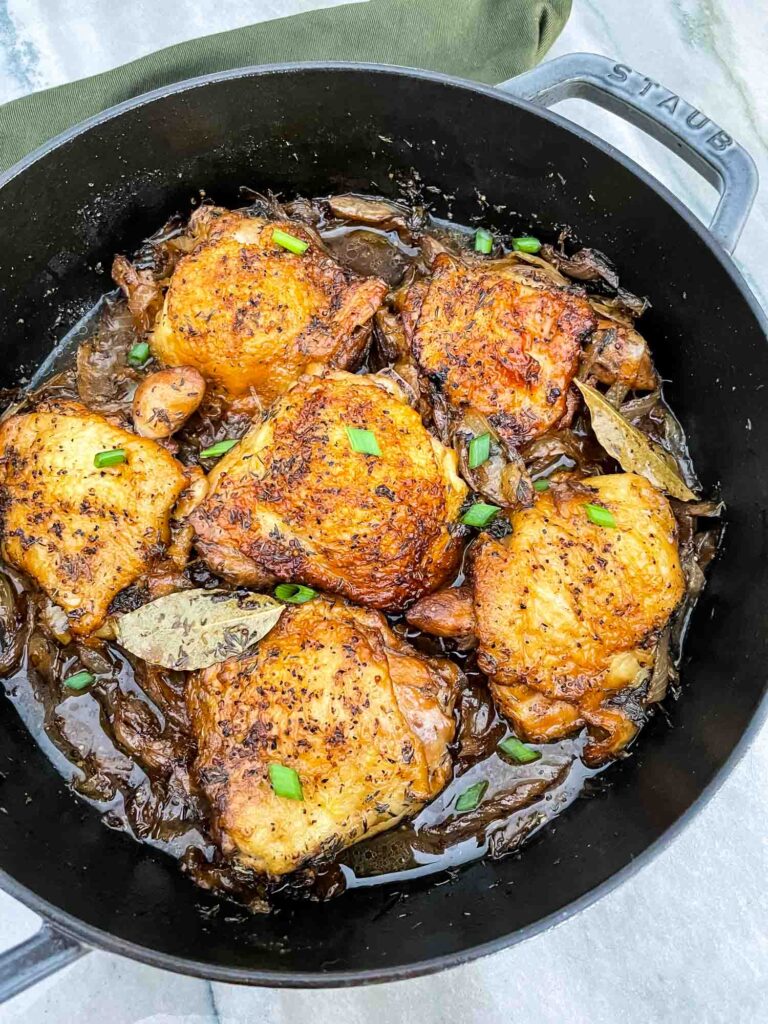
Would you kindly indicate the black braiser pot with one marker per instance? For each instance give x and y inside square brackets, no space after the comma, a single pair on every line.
[103,186]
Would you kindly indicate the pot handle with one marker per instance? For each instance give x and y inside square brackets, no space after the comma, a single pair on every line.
[660,113]
[44,953]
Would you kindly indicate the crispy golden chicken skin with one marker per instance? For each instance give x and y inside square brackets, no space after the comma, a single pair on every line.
[294,499]
[83,533]
[252,316]
[333,694]
[567,613]
[491,337]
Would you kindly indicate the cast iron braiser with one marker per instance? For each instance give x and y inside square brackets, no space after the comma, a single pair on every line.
[104,185]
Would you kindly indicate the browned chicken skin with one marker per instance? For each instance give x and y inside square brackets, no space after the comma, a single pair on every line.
[567,613]
[332,693]
[252,316]
[83,533]
[489,337]
[293,499]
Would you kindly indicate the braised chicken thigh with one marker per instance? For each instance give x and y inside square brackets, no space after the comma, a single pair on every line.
[295,500]
[81,531]
[252,316]
[491,337]
[333,696]
[567,612]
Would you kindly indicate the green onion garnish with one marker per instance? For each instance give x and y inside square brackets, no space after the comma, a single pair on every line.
[526,244]
[294,593]
[79,680]
[471,797]
[518,751]
[289,242]
[541,485]
[363,441]
[599,516]
[479,514]
[139,354]
[112,458]
[285,782]
[483,241]
[479,450]
[220,448]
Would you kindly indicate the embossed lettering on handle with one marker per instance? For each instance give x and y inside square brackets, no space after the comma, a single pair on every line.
[660,113]
[669,102]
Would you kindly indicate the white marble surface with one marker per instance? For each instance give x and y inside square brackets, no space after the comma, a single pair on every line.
[686,941]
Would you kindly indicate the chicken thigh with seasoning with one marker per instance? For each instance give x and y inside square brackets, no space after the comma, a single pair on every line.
[334,696]
[81,531]
[252,316]
[296,500]
[567,611]
[492,338]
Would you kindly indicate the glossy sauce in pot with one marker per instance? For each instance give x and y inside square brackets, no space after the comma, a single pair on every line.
[124,744]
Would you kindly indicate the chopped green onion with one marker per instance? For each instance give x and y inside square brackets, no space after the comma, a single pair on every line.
[599,516]
[285,782]
[541,485]
[220,448]
[518,751]
[79,680]
[479,450]
[139,354]
[483,241]
[294,593]
[479,514]
[363,441]
[289,242]
[112,458]
[471,797]
[526,244]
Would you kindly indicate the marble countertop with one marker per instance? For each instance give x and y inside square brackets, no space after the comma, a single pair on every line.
[685,940]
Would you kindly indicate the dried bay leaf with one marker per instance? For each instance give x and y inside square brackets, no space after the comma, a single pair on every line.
[630,447]
[193,629]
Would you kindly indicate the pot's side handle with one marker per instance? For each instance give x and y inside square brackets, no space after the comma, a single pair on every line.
[660,113]
[42,954]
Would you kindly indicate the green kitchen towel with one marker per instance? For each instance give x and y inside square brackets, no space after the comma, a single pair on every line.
[485,40]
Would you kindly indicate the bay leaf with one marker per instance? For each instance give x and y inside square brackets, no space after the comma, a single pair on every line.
[193,629]
[630,447]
